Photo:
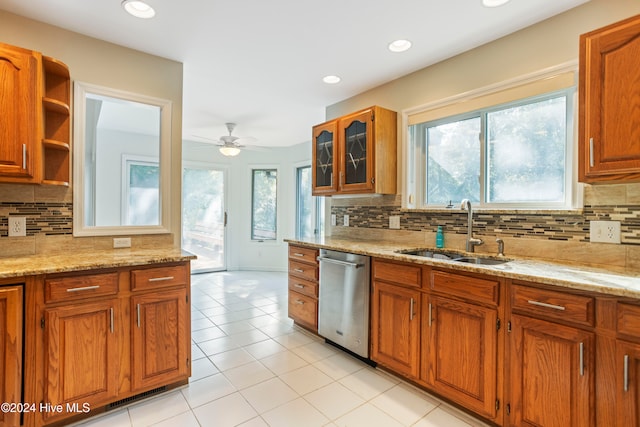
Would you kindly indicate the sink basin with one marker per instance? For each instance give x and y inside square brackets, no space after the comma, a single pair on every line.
[454,256]
[481,260]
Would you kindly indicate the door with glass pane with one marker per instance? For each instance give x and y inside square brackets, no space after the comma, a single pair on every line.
[204,216]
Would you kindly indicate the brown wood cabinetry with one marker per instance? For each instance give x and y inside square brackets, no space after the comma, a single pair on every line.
[35,128]
[303,286]
[11,309]
[19,78]
[609,104]
[109,335]
[551,358]
[356,153]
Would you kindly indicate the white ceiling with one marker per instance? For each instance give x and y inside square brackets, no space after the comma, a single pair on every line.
[260,63]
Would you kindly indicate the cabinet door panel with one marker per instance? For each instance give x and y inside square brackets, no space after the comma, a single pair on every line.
[395,328]
[160,338]
[462,353]
[18,123]
[549,387]
[627,384]
[11,349]
[356,152]
[82,353]
[324,172]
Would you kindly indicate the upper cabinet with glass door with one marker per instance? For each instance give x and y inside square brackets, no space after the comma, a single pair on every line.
[356,154]
[609,141]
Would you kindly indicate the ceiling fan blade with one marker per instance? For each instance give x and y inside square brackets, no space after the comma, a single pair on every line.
[245,140]
[215,141]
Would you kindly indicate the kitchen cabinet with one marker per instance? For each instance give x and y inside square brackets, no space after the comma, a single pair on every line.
[303,286]
[551,358]
[19,105]
[626,367]
[609,103]
[35,130]
[11,309]
[395,317]
[460,341]
[160,326]
[356,153]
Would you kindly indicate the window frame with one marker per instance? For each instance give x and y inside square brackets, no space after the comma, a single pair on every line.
[414,197]
[253,188]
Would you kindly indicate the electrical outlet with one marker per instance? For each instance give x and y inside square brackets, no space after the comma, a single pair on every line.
[604,231]
[17,226]
[345,220]
[122,242]
[394,222]
[334,221]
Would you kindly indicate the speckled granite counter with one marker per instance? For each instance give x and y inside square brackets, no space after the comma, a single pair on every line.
[87,260]
[568,276]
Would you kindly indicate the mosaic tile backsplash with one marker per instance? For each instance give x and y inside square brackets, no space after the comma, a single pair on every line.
[43,218]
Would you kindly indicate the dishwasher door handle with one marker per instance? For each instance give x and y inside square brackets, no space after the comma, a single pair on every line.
[339,262]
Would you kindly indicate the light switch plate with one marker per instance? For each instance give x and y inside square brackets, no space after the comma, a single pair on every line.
[333,220]
[122,242]
[17,226]
[604,231]
[345,220]
[394,222]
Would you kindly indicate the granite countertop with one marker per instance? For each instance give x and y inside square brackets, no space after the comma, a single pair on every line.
[87,260]
[569,276]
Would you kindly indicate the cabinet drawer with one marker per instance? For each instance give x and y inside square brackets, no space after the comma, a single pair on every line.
[150,278]
[302,286]
[471,288]
[546,303]
[628,319]
[300,254]
[79,287]
[303,309]
[402,274]
[302,270]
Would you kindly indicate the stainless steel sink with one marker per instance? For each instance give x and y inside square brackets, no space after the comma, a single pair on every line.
[481,260]
[454,256]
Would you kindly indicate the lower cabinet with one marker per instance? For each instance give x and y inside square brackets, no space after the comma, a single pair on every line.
[395,328]
[460,343]
[82,354]
[11,309]
[627,384]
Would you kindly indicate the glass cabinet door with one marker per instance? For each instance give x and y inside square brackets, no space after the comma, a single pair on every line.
[356,172]
[324,155]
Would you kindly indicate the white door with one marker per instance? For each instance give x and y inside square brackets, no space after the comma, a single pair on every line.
[204,216]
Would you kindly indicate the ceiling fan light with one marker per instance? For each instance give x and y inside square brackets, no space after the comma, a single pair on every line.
[138,8]
[494,3]
[230,151]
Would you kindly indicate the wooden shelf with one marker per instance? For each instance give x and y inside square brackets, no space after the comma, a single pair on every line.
[56,145]
[55,105]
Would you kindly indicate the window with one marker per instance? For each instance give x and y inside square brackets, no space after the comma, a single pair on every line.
[263,205]
[141,194]
[515,154]
[309,209]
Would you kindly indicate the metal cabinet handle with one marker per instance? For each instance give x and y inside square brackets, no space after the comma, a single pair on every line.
[545,305]
[299,302]
[430,311]
[84,288]
[299,286]
[298,254]
[591,161]
[581,357]
[24,156]
[161,279]
[138,314]
[625,379]
[111,318]
[298,270]
[411,309]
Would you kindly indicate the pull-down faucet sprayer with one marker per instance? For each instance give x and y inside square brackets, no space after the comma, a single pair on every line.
[471,241]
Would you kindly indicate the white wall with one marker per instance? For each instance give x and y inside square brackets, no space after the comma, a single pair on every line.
[242,252]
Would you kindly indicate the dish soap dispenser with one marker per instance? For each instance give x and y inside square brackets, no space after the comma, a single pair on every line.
[439,238]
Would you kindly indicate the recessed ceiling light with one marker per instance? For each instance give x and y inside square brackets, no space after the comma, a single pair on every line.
[331,79]
[138,8]
[399,45]
[494,3]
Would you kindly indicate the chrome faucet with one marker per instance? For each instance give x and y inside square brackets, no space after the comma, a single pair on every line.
[472,242]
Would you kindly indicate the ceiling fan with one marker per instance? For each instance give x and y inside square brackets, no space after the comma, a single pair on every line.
[230,145]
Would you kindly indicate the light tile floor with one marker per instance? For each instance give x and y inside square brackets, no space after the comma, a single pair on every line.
[252,367]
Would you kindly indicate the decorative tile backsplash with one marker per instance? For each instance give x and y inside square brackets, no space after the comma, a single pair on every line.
[550,226]
[44,218]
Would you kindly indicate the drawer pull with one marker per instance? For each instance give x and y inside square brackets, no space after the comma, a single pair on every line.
[84,288]
[138,314]
[411,313]
[581,357]
[298,270]
[111,318]
[626,373]
[299,286]
[430,313]
[299,302]
[298,254]
[24,156]
[545,305]
[161,279]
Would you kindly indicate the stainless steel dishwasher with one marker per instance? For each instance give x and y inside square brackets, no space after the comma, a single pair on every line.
[343,316]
